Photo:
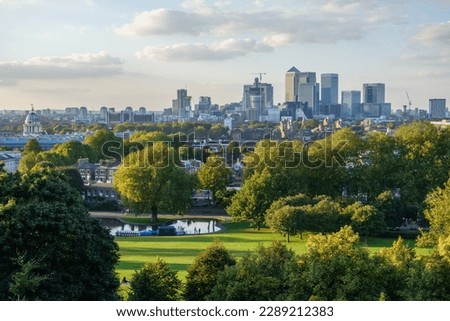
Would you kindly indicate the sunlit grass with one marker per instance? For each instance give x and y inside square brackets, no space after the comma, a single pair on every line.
[239,238]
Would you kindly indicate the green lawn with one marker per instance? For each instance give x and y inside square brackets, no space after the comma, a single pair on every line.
[238,238]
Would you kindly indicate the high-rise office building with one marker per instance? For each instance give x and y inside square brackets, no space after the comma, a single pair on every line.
[329,91]
[437,108]
[374,104]
[292,79]
[374,93]
[204,103]
[308,92]
[257,98]
[182,105]
[351,104]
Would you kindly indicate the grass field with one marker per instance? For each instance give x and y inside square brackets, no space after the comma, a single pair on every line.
[238,238]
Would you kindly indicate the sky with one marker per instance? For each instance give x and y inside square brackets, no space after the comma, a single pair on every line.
[115,53]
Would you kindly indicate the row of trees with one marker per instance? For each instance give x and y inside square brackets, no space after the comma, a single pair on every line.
[335,267]
[295,214]
[398,171]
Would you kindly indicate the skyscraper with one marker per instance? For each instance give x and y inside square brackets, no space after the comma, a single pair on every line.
[329,91]
[182,105]
[291,84]
[437,108]
[308,92]
[351,104]
[257,98]
[374,104]
[373,93]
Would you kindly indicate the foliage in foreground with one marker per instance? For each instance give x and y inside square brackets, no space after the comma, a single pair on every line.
[51,248]
[335,267]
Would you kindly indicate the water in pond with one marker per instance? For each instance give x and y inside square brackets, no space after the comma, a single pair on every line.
[182,227]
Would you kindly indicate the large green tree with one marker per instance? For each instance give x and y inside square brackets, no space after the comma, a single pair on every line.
[214,175]
[254,198]
[32,146]
[437,213]
[259,277]
[150,180]
[366,219]
[202,274]
[100,143]
[155,282]
[52,249]
[424,152]
[285,220]
[334,268]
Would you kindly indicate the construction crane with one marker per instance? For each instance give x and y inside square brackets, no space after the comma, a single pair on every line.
[260,75]
[409,101]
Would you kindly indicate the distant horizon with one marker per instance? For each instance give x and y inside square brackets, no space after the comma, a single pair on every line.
[96,53]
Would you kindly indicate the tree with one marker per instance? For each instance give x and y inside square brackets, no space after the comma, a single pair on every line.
[202,274]
[285,220]
[27,162]
[72,151]
[258,277]
[154,282]
[430,278]
[214,175]
[288,216]
[334,268]
[217,131]
[32,146]
[381,170]
[392,207]
[48,238]
[332,162]
[150,180]
[366,219]
[423,150]
[438,215]
[100,141]
[394,267]
[255,197]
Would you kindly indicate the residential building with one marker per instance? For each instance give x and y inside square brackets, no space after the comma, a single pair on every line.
[98,179]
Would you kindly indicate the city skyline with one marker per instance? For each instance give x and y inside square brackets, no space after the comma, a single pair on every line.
[112,53]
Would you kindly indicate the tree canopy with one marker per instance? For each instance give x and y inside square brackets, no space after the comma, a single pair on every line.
[214,175]
[52,249]
[151,180]
[203,273]
[155,282]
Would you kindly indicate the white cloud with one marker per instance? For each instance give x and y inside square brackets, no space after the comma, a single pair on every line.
[223,50]
[85,65]
[435,35]
[320,22]
[166,22]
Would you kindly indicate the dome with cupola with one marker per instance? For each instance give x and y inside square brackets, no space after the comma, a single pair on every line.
[32,125]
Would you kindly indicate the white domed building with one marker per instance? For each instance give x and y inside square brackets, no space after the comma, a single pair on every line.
[32,125]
